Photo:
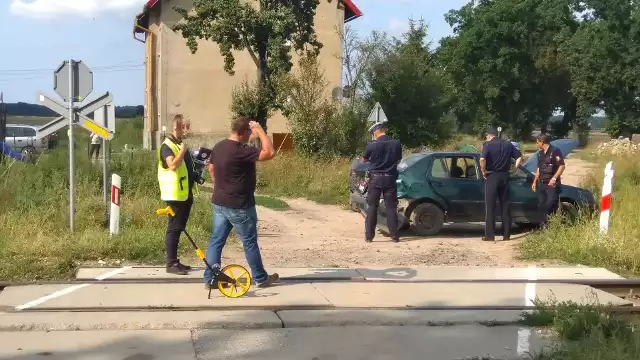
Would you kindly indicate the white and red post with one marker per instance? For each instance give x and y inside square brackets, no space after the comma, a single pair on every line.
[605,201]
[114,218]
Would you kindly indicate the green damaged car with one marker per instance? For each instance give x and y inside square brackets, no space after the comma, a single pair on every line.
[435,188]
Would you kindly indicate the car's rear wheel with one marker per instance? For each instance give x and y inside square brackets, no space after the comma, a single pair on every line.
[427,219]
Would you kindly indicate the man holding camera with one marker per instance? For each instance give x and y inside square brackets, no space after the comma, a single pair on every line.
[176,178]
[232,167]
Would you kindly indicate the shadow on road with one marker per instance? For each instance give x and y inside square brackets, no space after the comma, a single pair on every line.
[460,231]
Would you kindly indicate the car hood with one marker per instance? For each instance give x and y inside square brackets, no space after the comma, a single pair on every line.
[566,146]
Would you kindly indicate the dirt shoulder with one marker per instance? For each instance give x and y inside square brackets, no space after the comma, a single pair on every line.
[311,234]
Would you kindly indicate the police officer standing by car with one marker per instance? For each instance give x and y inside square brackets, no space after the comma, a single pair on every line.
[176,178]
[495,163]
[550,167]
[383,155]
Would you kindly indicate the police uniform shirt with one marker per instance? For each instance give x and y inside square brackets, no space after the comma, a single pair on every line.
[498,154]
[383,155]
[549,162]
[165,152]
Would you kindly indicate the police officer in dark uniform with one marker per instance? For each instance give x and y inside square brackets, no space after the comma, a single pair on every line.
[495,164]
[550,168]
[383,155]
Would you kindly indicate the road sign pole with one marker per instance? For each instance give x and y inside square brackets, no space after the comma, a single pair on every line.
[71,152]
[105,157]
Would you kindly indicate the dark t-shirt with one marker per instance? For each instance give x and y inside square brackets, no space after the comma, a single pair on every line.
[383,155]
[165,152]
[498,154]
[549,162]
[234,169]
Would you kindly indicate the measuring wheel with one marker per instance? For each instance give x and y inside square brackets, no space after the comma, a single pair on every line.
[240,276]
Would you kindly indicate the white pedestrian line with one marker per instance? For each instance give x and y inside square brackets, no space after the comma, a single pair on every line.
[524,334]
[70,289]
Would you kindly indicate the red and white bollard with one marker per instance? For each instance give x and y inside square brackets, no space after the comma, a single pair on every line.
[114,218]
[605,202]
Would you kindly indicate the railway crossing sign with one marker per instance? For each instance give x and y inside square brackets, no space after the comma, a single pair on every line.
[81,114]
[73,81]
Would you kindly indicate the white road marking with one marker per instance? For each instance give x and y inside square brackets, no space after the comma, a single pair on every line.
[524,334]
[70,289]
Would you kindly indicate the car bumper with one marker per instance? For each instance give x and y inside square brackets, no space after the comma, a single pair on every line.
[358,201]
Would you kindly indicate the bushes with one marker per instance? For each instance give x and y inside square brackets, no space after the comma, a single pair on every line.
[320,124]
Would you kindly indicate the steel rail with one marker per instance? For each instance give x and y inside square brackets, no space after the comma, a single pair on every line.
[275,308]
[596,283]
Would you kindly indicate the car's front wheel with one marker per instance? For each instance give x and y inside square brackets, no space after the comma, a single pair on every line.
[569,211]
[427,219]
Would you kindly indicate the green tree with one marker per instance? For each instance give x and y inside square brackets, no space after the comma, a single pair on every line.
[268,31]
[404,79]
[321,125]
[603,56]
[502,66]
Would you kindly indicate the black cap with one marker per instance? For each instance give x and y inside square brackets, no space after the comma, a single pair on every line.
[492,131]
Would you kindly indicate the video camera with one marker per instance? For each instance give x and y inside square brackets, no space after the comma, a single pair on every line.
[200,161]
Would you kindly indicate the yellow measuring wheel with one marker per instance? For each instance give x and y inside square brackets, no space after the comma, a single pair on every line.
[241,281]
[233,280]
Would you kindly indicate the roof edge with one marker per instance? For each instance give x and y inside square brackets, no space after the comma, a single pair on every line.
[142,19]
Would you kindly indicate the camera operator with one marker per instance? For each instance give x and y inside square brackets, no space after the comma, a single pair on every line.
[177,178]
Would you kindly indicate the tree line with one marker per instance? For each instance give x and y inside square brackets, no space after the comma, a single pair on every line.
[510,63]
[26,109]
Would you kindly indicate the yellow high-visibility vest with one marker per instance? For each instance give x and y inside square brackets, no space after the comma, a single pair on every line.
[174,185]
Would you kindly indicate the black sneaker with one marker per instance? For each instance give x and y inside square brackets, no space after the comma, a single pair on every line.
[270,280]
[176,269]
[184,267]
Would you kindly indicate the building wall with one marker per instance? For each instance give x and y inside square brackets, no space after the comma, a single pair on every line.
[197,86]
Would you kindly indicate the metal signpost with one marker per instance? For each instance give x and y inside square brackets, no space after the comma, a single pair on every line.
[107,117]
[73,82]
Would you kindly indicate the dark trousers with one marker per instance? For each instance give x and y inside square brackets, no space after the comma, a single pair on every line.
[175,226]
[94,148]
[384,185]
[497,188]
[548,200]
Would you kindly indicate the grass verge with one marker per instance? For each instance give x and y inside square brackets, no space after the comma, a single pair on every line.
[582,243]
[271,203]
[589,332]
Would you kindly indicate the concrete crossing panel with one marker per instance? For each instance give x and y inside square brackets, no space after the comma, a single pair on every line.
[159,273]
[484,273]
[337,294]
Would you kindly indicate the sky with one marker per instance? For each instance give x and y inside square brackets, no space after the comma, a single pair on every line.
[36,36]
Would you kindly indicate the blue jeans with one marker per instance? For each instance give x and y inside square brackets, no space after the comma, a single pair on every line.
[245,221]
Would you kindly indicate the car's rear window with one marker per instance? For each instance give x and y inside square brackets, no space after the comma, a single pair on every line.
[410,161]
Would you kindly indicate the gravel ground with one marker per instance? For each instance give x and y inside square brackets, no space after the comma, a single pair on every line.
[311,234]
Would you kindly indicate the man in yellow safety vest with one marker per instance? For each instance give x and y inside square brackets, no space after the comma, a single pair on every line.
[176,178]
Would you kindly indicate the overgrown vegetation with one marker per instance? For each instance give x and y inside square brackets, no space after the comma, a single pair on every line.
[582,243]
[585,332]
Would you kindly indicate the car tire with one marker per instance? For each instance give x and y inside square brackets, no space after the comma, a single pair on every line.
[427,219]
[569,211]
